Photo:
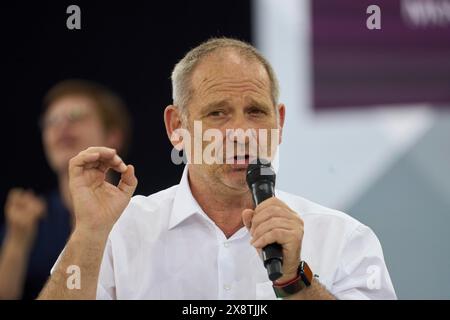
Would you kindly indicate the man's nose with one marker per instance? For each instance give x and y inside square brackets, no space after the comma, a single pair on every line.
[63,124]
[242,137]
[240,124]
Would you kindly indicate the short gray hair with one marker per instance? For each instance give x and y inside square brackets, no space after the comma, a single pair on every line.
[181,74]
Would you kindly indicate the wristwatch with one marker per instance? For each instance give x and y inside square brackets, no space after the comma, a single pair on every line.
[304,279]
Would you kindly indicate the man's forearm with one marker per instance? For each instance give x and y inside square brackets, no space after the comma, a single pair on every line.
[14,256]
[316,291]
[83,252]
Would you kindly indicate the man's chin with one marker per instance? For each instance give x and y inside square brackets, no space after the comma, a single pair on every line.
[235,178]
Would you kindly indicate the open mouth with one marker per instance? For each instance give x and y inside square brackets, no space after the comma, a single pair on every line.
[239,160]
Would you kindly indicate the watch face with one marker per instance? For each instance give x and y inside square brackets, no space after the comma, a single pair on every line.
[306,273]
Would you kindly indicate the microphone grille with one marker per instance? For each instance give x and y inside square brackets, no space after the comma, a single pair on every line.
[260,171]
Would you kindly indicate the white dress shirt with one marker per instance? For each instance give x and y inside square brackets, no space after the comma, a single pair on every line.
[165,247]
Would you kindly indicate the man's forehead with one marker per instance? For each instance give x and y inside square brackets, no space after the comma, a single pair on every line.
[213,102]
[69,102]
[230,65]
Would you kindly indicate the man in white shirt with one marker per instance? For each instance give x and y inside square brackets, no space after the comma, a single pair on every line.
[202,238]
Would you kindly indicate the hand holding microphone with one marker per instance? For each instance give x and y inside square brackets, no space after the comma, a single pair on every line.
[276,229]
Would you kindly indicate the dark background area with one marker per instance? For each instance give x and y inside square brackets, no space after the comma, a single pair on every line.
[131,47]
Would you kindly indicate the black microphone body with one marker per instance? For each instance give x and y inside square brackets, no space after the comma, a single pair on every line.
[261,181]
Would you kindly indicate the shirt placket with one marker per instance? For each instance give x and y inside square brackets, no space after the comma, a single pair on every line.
[226,264]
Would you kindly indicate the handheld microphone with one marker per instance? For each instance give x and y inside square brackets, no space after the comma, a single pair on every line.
[261,181]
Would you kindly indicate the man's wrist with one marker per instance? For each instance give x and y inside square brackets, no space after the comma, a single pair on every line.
[82,234]
[20,237]
[285,279]
[302,280]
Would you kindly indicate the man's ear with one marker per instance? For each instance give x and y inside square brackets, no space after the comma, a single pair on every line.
[172,121]
[281,117]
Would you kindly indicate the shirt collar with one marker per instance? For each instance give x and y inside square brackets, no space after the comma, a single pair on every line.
[184,204]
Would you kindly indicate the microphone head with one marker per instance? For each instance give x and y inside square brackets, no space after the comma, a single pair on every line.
[260,171]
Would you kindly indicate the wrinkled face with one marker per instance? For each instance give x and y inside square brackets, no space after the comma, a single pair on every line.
[70,125]
[231,92]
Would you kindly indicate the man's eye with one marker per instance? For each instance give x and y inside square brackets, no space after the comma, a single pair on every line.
[257,112]
[216,114]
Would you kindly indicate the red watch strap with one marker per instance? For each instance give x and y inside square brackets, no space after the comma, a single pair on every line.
[286,283]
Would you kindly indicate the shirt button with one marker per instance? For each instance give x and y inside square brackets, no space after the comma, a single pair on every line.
[227,287]
[226,244]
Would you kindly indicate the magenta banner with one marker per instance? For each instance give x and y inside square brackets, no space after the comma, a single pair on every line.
[405,61]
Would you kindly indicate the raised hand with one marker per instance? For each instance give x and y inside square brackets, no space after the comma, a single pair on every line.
[97,203]
[23,209]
